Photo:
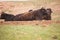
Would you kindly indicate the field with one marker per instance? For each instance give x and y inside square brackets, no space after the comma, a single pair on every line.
[30,30]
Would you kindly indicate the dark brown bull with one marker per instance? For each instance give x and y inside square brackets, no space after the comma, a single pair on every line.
[40,14]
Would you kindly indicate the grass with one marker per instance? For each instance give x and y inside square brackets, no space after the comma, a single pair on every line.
[30,32]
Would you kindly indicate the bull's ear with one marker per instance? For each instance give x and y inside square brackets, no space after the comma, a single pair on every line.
[30,10]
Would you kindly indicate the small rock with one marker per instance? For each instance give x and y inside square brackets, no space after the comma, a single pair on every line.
[54,37]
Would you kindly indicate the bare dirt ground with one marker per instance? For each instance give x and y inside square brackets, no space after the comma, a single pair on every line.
[35,22]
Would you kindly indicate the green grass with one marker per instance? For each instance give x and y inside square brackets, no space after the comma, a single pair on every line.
[29,32]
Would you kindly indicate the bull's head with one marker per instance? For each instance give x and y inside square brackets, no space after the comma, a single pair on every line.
[47,14]
[49,11]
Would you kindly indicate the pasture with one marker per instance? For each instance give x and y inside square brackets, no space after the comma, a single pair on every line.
[31,30]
